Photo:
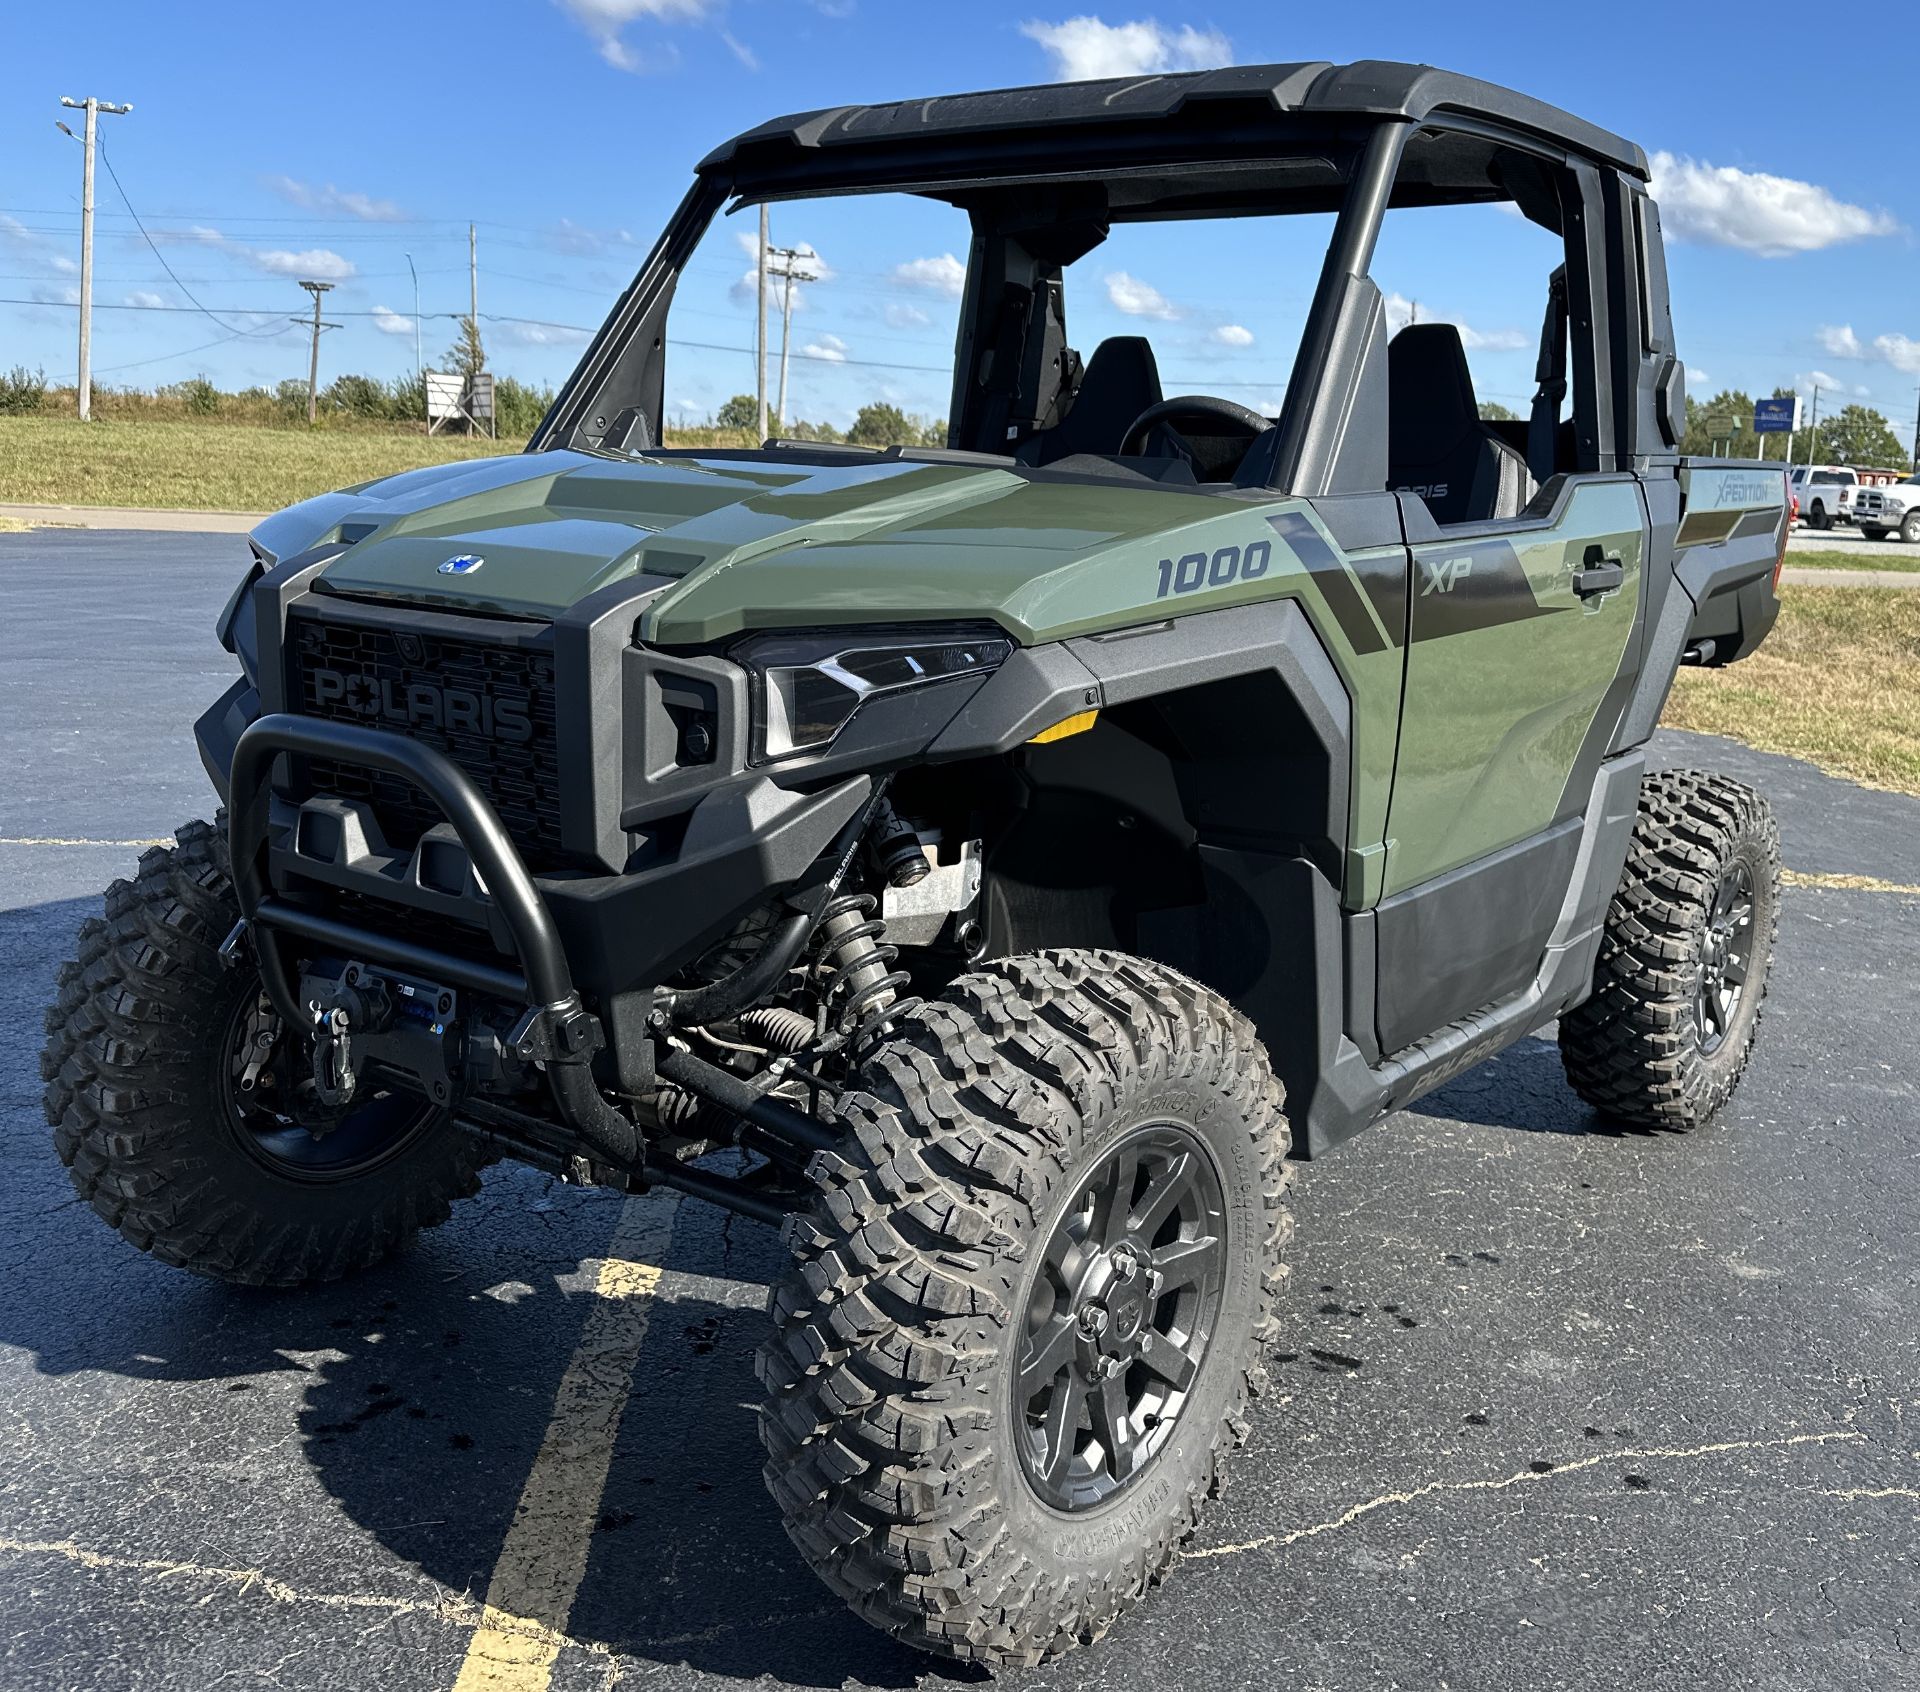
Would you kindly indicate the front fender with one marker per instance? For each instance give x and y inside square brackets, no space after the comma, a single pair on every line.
[219,729]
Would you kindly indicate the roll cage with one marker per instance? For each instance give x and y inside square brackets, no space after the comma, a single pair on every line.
[1043,173]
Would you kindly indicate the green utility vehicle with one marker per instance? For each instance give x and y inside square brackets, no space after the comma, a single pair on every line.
[995,865]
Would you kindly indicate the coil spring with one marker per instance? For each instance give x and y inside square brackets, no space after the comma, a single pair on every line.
[858,983]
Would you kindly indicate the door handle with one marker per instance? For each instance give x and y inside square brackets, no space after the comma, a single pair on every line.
[1598,575]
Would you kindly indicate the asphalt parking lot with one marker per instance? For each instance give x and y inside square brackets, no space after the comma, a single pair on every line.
[1560,1406]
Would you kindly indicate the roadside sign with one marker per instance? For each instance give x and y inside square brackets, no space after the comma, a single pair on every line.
[1722,425]
[1776,416]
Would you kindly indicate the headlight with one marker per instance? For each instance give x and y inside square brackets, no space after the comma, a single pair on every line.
[808,688]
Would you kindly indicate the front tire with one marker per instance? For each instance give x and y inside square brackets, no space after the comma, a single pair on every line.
[143,1098]
[1032,1301]
[1910,528]
[1873,532]
[1682,973]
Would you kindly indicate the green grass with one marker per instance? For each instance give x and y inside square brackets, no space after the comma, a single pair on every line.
[1908,561]
[223,466]
[204,466]
[1836,683]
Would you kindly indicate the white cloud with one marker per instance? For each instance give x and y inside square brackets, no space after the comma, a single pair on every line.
[1900,351]
[942,275]
[566,236]
[391,322]
[1698,381]
[740,50]
[1822,379]
[321,264]
[900,315]
[1232,335]
[536,334]
[146,301]
[828,347]
[1839,341]
[1087,49]
[332,199]
[605,20]
[36,247]
[1401,311]
[1772,216]
[1139,299]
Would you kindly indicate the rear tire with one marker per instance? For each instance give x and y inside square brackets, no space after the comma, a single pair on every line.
[138,1071]
[1818,516]
[938,1351]
[1682,973]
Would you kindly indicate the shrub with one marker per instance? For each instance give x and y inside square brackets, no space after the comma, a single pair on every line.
[22,390]
[201,396]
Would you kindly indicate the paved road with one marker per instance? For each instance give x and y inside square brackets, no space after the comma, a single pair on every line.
[1560,1407]
[1846,539]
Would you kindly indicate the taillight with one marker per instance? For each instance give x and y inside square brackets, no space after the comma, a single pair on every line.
[1786,528]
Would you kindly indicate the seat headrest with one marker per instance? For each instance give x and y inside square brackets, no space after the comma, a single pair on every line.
[1432,407]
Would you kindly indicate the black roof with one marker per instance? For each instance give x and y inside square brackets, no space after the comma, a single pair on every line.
[1068,124]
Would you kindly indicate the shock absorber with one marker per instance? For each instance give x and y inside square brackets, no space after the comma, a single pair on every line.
[857,980]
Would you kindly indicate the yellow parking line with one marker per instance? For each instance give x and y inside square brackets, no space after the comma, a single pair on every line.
[1845,883]
[530,1598]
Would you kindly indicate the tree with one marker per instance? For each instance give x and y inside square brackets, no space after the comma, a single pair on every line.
[1492,411]
[740,412]
[467,356]
[880,424]
[1859,435]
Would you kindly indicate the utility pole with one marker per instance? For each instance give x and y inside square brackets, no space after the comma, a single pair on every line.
[416,327]
[1916,440]
[93,108]
[316,289]
[1813,428]
[788,275]
[473,280]
[760,339]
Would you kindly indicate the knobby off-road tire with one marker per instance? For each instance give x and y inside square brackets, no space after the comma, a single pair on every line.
[136,1044]
[1656,1045]
[907,1471]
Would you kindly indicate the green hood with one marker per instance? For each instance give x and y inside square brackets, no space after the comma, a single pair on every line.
[737,544]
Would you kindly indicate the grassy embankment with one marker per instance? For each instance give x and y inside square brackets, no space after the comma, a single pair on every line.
[210,465]
[1908,561]
[1837,683]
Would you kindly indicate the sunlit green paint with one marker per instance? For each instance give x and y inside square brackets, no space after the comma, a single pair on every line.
[1495,715]
[748,546]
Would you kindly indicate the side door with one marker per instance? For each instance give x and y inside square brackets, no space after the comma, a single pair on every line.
[1522,641]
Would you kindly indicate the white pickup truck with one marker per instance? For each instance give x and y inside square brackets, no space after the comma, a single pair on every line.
[1895,510]
[1826,493]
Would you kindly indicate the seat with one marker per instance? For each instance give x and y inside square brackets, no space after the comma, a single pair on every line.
[1437,446]
[1121,380]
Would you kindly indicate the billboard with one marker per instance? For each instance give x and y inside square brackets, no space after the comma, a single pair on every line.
[1776,416]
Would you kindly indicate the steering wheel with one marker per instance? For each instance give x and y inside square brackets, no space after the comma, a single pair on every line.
[1203,408]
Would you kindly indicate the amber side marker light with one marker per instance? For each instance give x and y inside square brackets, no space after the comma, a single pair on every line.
[1078,723]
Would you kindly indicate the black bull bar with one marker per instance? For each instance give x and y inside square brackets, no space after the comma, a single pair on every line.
[559,1029]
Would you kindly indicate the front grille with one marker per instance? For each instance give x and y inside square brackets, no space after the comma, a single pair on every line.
[488,705]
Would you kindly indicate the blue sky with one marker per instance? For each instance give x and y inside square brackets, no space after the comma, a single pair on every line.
[267,145]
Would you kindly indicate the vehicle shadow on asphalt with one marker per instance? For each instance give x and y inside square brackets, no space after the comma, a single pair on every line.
[420,1409]
[1522,1088]
[422,1390]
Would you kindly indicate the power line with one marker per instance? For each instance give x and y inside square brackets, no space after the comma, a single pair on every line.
[107,159]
